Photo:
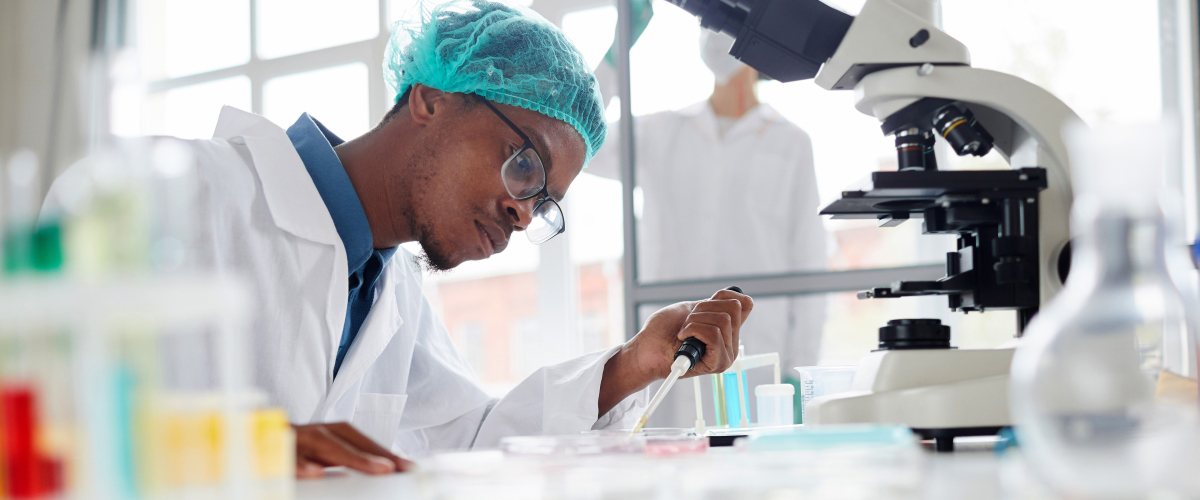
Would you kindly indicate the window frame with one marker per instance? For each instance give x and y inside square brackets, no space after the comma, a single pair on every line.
[369,52]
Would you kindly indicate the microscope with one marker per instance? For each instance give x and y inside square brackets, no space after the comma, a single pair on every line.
[1012,225]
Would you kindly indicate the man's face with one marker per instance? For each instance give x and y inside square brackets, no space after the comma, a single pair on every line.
[462,210]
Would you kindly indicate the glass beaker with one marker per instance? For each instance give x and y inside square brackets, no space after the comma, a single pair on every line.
[1091,378]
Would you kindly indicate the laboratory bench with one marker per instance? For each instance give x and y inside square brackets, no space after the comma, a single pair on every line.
[973,471]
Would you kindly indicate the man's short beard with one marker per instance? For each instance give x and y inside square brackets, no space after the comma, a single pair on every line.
[432,258]
[431,264]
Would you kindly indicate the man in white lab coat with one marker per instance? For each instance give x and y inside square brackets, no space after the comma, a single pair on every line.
[728,189]
[343,337]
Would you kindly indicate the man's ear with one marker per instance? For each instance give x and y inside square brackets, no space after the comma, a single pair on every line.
[424,102]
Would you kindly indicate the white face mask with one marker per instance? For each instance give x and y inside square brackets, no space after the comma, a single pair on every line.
[714,50]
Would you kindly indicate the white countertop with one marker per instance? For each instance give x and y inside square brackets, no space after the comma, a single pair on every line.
[342,485]
[973,471]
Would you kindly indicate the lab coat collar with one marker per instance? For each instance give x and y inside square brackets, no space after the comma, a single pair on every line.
[314,143]
[753,121]
[293,201]
[296,206]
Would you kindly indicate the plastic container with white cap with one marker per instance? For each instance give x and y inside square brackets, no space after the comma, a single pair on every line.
[774,404]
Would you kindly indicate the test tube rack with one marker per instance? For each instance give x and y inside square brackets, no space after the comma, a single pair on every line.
[720,394]
[88,311]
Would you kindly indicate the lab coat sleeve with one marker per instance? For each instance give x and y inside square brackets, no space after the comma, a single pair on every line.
[447,409]
[558,399]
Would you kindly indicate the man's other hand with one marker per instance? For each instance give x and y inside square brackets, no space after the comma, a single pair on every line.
[328,445]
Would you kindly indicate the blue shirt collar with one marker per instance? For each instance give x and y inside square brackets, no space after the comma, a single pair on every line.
[314,143]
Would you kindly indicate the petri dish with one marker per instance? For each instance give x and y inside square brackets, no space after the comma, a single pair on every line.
[583,444]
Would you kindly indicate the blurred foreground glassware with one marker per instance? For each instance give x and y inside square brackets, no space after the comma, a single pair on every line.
[1095,379]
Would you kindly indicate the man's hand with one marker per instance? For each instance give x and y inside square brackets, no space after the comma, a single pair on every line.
[647,357]
[327,445]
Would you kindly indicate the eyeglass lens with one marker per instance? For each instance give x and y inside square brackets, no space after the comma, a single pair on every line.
[523,174]
[547,222]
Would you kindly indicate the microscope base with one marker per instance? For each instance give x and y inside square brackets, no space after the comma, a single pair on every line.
[943,439]
[940,393]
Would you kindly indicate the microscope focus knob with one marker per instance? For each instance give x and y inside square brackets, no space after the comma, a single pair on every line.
[914,334]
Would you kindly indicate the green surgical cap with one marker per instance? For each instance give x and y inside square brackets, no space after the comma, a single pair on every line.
[506,54]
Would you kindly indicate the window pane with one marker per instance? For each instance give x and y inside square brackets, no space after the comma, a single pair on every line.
[1069,52]
[403,9]
[504,308]
[176,36]
[502,295]
[336,96]
[498,298]
[191,112]
[288,27]
[594,222]
[668,51]
[592,31]
[593,209]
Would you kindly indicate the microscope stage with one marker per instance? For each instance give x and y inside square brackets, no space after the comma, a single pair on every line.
[912,192]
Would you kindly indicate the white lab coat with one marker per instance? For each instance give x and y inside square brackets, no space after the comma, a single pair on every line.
[742,204]
[402,382]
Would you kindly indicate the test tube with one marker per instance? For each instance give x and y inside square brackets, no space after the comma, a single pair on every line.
[718,383]
[732,403]
[743,392]
[743,395]
[22,212]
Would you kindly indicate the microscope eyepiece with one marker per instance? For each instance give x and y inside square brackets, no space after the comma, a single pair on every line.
[787,40]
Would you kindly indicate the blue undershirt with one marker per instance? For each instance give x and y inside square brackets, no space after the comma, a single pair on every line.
[314,143]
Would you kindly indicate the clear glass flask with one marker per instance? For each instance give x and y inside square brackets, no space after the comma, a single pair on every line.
[1096,380]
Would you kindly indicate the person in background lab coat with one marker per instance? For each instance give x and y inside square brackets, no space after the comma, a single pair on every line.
[728,189]
[497,115]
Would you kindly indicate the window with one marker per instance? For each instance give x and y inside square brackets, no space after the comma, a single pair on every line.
[523,349]
[188,111]
[337,96]
[287,27]
[470,338]
[295,56]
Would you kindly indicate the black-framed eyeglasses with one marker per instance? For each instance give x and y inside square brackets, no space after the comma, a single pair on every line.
[524,177]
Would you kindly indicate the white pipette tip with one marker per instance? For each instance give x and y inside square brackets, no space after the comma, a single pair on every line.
[678,368]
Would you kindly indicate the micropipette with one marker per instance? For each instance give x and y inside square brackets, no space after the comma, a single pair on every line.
[685,358]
